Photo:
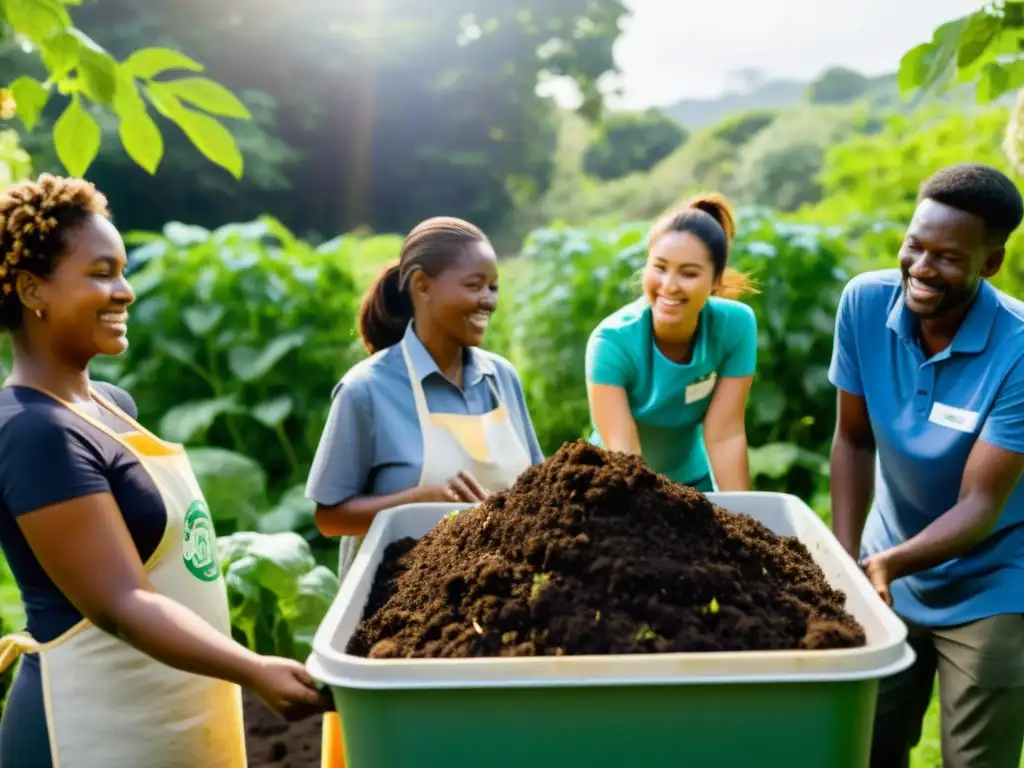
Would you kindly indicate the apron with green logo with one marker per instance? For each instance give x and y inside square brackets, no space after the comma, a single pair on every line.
[109,705]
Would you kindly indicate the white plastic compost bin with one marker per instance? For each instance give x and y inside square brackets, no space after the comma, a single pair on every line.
[795,709]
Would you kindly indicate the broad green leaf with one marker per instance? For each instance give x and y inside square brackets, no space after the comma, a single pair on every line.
[185,235]
[249,364]
[188,421]
[980,30]
[235,486]
[240,578]
[282,560]
[294,512]
[141,138]
[234,547]
[96,69]
[776,460]
[30,96]
[1014,75]
[76,136]
[146,63]
[212,139]
[994,83]
[86,42]
[912,67]
[127,99]
[207,95]
[177,350]
[306,611]
[769,404]
[99,75]
[60,54]
[943,62]
[273,412]
[200,320]
[36,19]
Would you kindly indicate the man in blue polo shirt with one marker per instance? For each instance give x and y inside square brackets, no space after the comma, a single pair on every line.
[929,364]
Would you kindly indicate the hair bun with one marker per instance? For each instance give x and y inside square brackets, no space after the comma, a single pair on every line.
[719,208]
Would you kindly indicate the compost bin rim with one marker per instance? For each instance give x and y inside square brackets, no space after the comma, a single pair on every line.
[320,672]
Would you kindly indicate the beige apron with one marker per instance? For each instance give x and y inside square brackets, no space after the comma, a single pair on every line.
[487,447]
[109,705]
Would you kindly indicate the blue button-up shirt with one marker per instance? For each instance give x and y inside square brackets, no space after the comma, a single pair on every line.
[927,414]
[372,442]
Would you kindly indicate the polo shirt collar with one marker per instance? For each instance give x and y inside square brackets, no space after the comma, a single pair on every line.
[973,333]
[474,365]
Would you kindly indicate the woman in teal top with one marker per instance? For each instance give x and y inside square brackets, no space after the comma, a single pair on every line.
[668,376]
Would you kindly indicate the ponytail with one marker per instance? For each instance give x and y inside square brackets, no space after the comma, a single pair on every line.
[719,209]
[385,311]
[734,285]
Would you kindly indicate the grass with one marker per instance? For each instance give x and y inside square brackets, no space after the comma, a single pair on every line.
[929,750]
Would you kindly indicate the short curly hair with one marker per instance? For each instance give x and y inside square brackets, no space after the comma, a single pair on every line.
[35,219]
[980,190]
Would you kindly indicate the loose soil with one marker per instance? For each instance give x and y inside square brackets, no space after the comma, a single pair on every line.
[591,552]
[273,742]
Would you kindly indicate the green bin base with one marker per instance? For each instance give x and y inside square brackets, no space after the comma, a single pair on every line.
[788,725]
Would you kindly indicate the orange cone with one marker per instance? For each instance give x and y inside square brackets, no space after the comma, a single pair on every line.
[332,753]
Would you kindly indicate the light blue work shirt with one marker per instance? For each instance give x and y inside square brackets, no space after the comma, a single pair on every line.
[927,414]
[372,443]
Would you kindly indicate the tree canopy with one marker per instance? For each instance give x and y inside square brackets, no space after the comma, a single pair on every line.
[375,114]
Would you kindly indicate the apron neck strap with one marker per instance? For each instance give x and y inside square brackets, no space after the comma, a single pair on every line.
[417,387]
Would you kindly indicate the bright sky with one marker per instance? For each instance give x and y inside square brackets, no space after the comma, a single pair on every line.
[672,49]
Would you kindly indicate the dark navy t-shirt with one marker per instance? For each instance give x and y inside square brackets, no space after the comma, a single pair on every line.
[49,454]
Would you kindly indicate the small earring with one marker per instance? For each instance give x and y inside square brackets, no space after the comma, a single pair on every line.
[39,314]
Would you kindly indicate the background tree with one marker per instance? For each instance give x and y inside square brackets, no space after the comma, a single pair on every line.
[838,85]
[628,142]
[64,72]
[376,114]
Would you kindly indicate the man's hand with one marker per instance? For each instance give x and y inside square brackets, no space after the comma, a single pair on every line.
[876,568]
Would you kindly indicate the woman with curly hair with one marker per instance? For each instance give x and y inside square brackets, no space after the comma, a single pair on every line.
[669,375]
[128,658]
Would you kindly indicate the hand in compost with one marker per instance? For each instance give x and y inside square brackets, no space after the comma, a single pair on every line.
[285,686]
[463,487]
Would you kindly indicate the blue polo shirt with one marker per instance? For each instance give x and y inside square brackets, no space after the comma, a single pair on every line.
[927,414]
[371,443]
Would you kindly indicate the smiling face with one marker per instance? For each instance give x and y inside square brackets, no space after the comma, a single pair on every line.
[678,277]
[85,299]
[944,256]
[460,300]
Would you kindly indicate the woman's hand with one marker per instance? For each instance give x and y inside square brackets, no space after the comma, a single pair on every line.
[285,686]
[462,487]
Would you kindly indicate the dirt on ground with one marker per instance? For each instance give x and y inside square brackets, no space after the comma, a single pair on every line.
[591,552]
[273,742]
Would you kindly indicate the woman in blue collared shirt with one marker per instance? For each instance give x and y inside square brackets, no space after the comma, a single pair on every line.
[429,416]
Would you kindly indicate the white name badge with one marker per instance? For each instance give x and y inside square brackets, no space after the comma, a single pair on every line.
[954,418]
[701,389]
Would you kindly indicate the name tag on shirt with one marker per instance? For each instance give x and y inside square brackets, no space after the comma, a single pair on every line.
[701,389]
[954,418]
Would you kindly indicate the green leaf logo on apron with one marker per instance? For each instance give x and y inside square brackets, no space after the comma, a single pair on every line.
[199,545]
